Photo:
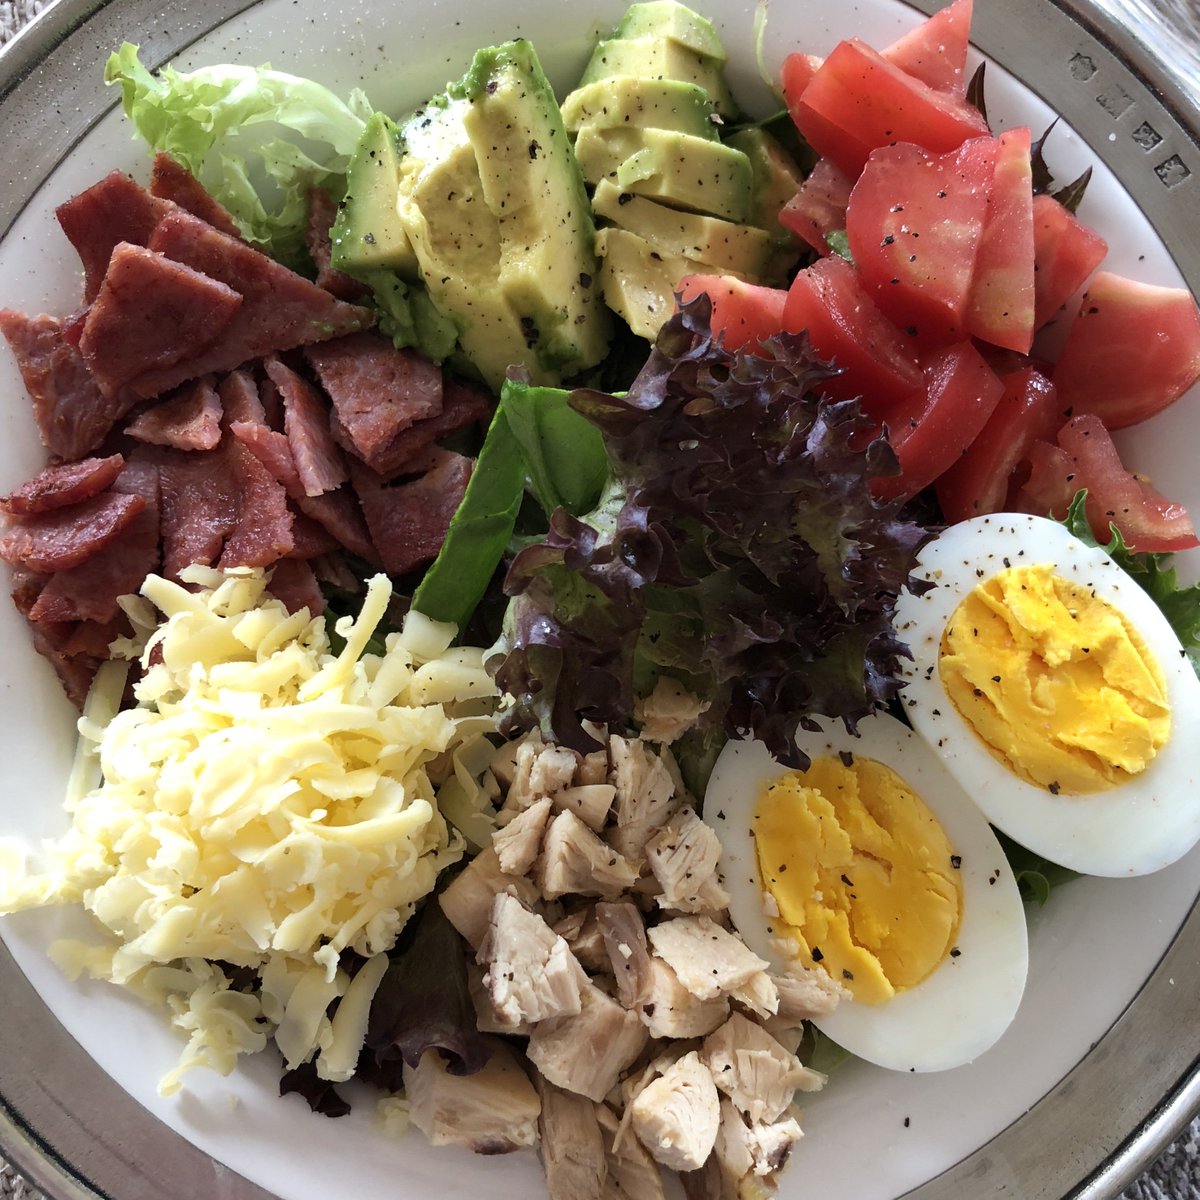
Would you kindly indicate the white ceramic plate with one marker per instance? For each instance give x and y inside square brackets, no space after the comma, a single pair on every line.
[871,1135]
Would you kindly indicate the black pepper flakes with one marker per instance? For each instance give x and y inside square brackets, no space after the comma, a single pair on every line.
[817,956]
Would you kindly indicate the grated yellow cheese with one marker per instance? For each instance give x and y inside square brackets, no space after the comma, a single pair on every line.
[267,804]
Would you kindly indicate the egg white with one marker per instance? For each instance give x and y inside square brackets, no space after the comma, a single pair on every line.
[964,1006]
[1134,828]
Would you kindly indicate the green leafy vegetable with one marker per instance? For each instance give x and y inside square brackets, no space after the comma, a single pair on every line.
[1071,195]
[738,551]
[223,124]
[1154,573]
[839,242]
[568,467]
[821,1053]
[1036,876]
[975,90]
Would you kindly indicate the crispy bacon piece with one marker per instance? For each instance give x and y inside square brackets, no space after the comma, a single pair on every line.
[62,485]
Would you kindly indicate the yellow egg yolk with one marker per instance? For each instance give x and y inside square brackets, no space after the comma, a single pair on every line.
[862,873]
[1055,681]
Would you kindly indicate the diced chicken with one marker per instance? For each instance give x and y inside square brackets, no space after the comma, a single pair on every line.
[645,795]
[504,761]
[467,902]
[752,1068]
[759,995]
[553,770]
[590,802]
[624,935]
[632,1173]
[582,933]
[804,997]
[762,1149]
[572,1146]
[683,858]
[538,770]
[587,1053]
[576,862]
[593,768]
[676,1116]
[532,974]
[669,711]
[669,1010]
[710,961]
[494,1111]
[517,845]
[485,1015]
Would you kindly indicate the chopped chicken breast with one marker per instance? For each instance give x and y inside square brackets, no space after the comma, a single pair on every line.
[683,857]
[582,933]
[572,1146]
[518,844]
[676,1116]
[632,1173]
[624,934]
[710,961]
[467,902]
[645,795]
[590,802]
[669,711]
[669,1010]
[576,862]
[752,1068]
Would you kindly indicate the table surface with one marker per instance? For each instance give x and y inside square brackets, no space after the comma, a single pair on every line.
[1175,24]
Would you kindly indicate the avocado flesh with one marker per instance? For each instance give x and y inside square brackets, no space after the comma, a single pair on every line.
[776,179]
[709,241]
[659,58]
[675,22]
[494,204]
[368,234]
[639,282]
[685,171]
[641,103]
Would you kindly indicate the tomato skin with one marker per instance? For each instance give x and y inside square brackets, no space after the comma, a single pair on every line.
[1133,350]
[819,207]
[1050,483]
[1148,521]
[1065,253]
[1001,305]
[795,75]
[845,326]
[978,482]
[930,433]
[917,255]
[743,314]
[936,51]
[858,102]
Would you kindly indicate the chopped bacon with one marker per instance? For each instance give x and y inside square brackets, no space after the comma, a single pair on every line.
[310,538]
[150,314]
[263,533]
[318,460]
[201,507]
[188,419]
[238,394]
[293,582]
[62,485]
[66,537]
[172,181]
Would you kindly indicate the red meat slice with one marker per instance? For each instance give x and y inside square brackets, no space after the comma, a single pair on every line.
[96,221]
[62,485]
[170,180]
[294,583]
[378,393]
[280,309]
[52,641]
[89,592]
[321,213]
[263,533]
[272,450]
[189,419]
[306,422]
[462,406]
[238,394]
[408,522]
[66,537]
[310,539]
[72,415]
[150,314]
[201,507]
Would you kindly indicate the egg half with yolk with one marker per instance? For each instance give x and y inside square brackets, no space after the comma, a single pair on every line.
[874,867]
[1055,691]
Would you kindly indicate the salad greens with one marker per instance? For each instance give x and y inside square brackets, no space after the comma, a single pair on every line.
[224,122]
[736,550]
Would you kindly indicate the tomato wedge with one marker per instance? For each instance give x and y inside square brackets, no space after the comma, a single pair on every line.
[819,207]
[795,75]
[1086,457]
[858,101]
[743,314]
[845,326]
[936,51]
[1133,350]
[978,481]
[1065,253]
[935,427]
[915,222]
[1001,305]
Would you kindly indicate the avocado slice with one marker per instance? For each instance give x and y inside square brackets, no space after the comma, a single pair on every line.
[660,58]
[676,22]
[625,102]
[368,234]
[777,178]
[713,243]
[494,203]
[639,281]
[677,168]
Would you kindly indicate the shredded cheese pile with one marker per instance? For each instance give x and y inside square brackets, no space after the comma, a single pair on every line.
[267,804]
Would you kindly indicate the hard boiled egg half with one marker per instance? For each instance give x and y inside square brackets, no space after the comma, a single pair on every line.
[1054,690]
[875,867]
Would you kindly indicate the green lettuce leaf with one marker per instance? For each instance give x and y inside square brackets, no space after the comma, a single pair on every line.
[257,139]
[1036,876]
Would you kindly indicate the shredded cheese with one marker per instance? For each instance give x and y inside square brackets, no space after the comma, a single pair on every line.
[267,804]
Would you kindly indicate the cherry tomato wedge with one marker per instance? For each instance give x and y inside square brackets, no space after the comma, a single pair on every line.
[819,207]
[936,51]
[1065,253]
[743,314]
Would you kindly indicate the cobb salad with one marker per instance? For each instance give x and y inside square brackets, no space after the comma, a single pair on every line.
[658,622]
